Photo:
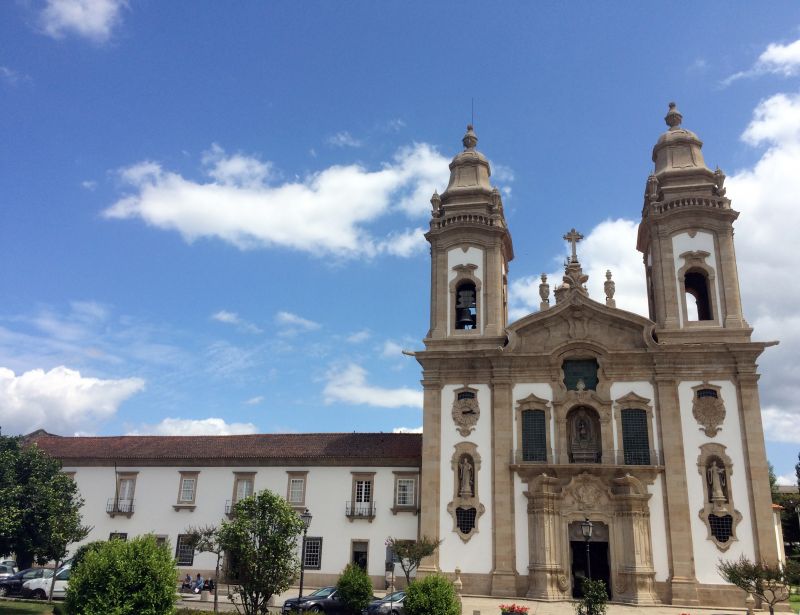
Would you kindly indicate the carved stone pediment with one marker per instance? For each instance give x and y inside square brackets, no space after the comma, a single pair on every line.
[579,319]
[586,492]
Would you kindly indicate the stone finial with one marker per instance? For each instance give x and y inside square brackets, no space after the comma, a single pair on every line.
[610,287]
[674,117]
[436,203]
[719,180]
[651,192]
[544,293]
[470,139]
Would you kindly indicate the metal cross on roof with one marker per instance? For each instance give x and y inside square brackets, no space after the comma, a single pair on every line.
[573,237]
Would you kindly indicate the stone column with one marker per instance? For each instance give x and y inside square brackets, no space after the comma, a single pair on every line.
[730,281]
[504,547]
[683,583]
[430,475]
[547,577]
[665,290]
[757,469]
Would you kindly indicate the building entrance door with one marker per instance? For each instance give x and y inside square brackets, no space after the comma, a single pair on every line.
[598,558]
[360,551]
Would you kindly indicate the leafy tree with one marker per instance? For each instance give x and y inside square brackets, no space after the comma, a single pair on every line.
[768,582]
[773,482]
[206,539]
[40,504]
[433,595]
[594,598]
[80,552]
[261,543]
[797,471]
[412,552]
[124,577]
[355,588]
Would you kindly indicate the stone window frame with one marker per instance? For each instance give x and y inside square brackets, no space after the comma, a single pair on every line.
[178,546]
[124,475]
[632,401]
[316,540]
[696,259]
[707,451]
[353,541]
[296,475]
[162,540]
[406,475]
[118,536]
[363,476]
[186,504]
[534,402]
[458,501]
[465,273]
[237,477]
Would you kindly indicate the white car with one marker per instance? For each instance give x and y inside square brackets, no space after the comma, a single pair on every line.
[40,588]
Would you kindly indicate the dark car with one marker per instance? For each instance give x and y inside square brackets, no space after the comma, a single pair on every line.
[314,599]
[392,604]
[12,585]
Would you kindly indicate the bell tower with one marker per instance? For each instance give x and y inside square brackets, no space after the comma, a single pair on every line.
[686,237]
[470,251]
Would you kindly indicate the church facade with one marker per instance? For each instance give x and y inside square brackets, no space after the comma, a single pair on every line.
[649,429]
[578,417]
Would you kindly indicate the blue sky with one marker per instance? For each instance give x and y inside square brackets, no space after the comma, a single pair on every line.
[212,213]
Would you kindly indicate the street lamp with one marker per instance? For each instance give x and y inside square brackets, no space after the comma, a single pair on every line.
[305,517]
[586,530]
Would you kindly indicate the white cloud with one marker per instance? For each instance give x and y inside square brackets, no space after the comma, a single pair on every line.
[343,139]
[92,19]
[359,336]
[776,59]
[254,401]
[89,184]
[194,427]
[11,76]
[349,385]
[232,318]
[391,350]
[60,400]
[294,324]
[787,480]
[407,429]
[326,213]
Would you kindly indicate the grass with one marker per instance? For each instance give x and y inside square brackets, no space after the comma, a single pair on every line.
[8,607]
[794,602]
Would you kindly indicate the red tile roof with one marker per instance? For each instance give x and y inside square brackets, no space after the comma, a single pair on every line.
[355,449]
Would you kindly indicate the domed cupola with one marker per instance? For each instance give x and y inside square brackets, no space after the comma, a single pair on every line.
[469,172]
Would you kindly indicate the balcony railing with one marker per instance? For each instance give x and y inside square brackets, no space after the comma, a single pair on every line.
[360,510]
[119,506]
[644,457]
[229,506]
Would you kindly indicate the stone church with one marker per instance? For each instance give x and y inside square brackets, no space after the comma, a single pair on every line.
[649,429]
[579,417]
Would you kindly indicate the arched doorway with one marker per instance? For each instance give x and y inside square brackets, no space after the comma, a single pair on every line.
[598,564]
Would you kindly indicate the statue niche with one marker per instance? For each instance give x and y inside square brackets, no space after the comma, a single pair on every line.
[717,485]
[583,428]
[718,512]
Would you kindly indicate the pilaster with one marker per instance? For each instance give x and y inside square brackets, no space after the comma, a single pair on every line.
[430,477]
[547,577]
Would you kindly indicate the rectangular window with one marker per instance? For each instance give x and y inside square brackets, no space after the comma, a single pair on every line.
[118,536]
[363,491]
[580,374]
[296,488]
[161,540]
[188,485]
[406,492]
[635,439]
[534,435]
[363,495]
[184,551]
[313,558]
[243,485]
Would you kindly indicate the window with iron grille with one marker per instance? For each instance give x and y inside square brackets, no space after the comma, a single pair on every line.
[465,519]
[635,440]
[534,436]
[721,527]
[313,558]
[184,551]
[466,395]
[707,393]
[578,371]
[118,536]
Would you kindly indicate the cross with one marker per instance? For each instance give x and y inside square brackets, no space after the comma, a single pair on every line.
[573,237]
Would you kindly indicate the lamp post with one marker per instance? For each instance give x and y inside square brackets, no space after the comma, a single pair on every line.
[586,529]
[305,517]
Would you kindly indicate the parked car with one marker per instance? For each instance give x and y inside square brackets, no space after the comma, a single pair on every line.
[40,588]
[7,571]
[325,600]
[392,604]
[9,562]
[13,584]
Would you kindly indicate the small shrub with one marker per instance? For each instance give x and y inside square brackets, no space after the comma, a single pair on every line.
[355,588]
[81,552]
[433,595]
[135,577]
[594,598]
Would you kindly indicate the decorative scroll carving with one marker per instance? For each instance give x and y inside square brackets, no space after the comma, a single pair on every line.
[466,410]
[708,408]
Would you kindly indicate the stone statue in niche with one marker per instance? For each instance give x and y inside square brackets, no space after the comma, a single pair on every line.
[466,476]
[584,441]
[717,485]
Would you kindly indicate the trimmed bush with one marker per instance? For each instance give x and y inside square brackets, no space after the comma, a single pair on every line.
[135,577]
[594,598]
[355,588]
[433,595]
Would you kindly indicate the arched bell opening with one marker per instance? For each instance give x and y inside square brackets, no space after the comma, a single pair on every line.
[698,303]
[466,310]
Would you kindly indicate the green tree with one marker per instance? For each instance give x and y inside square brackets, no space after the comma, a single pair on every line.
[355,588]
[124,577]
[767,582]
[594,598]
[40,504]
[773,482]
[412,552]
[797,471]
[206,539]
[433,595]
[261,543]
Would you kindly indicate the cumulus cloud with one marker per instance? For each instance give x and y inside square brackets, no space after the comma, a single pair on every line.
[407,429]
[391,350]
[329,212]
[359,336]
[232,318]
[194,427]
[60,400]
[91,19]
[786,480]
[343,139]
[349,385]
[776,59]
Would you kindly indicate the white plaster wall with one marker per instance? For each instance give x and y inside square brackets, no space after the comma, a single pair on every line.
[706,553]
[327,490]
[681,243]
[472,256]
[521,391]
[476,554]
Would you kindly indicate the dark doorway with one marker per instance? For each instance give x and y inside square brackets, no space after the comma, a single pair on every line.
[598,557]
[360,550]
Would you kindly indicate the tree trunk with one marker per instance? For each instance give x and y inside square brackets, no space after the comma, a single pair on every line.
[53,581]
[216,587]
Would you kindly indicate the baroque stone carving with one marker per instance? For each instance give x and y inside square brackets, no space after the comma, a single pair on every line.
[718,513]
[466,410]
[466,508]
[708,408]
